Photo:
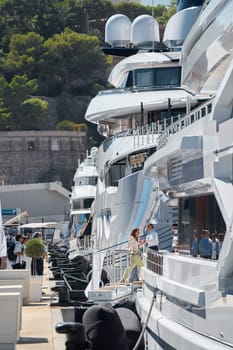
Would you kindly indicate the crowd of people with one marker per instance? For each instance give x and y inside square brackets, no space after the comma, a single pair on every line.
[207,246]
[16,253]
[135,247]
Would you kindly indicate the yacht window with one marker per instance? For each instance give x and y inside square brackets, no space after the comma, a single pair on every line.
[77,204]
[144,78]
[89,180]
[31,146]
[154,77]
[168,76]
[198,214]
[88,202]
[82,203]
[129,82]
[115,173]
[92,180]
[136,161]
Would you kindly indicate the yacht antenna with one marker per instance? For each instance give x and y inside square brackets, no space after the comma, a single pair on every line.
[153,15]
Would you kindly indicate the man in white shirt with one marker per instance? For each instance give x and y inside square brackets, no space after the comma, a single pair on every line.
[152,238]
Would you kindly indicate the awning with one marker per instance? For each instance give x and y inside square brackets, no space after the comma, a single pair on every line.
[40,225]
[80,211]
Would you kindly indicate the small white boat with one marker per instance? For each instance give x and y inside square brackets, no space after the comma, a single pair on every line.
[81,200]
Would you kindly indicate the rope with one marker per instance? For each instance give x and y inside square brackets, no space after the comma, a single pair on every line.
[144,326]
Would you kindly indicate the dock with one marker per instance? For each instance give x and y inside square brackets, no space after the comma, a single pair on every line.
[39,320]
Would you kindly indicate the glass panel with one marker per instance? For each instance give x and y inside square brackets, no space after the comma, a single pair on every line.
[197,215]
[144,78]
[157,77]
[116,172]
[89,180]
[168,76]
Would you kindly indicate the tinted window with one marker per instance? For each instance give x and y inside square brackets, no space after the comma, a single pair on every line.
[155,78]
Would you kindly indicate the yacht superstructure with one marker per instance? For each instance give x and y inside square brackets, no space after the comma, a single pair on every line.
[146,98]
[188,295]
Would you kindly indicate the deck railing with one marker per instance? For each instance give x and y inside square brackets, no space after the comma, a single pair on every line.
[154,261]
[182,122]
[160,131]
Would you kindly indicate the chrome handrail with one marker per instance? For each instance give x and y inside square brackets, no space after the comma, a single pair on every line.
[159,132]
[182,122]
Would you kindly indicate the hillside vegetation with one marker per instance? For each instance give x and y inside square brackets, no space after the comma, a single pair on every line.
[50,59]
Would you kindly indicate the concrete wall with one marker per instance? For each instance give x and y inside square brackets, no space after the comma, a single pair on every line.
[49,201]
[40,156]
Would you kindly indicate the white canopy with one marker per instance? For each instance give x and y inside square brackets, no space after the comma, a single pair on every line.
[80,211]
[40,225]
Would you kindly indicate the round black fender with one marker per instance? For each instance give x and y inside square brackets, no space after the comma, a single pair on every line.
[128,303]
[76,335]
[104,328]
[132,327]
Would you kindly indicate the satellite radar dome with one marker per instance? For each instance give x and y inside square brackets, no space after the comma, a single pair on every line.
[145,31]
[179,26]
[118,30]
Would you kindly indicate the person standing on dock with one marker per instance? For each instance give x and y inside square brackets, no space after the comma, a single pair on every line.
[18,252]
[134,245]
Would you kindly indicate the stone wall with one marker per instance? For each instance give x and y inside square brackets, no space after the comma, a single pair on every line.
[40,156]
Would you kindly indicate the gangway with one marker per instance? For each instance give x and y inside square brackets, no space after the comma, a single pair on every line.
[18,217]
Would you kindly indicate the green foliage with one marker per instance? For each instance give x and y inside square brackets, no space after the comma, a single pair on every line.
[132,10]
[95,88]
[70,55]
[34,248]
[12,97]
[33,114]
[25,53]
[20,86]
[45,17]
[71,126]
[46,51]
[164,16]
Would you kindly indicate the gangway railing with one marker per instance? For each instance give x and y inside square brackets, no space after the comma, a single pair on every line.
[22,215]
[115,263]
[85,243]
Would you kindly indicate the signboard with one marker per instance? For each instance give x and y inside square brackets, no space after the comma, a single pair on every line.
[9,211]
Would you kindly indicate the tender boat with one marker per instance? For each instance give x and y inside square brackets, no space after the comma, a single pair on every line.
[81,200]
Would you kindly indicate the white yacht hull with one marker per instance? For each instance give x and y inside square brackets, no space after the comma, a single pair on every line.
[185,314]
[207,48]
[194,296]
